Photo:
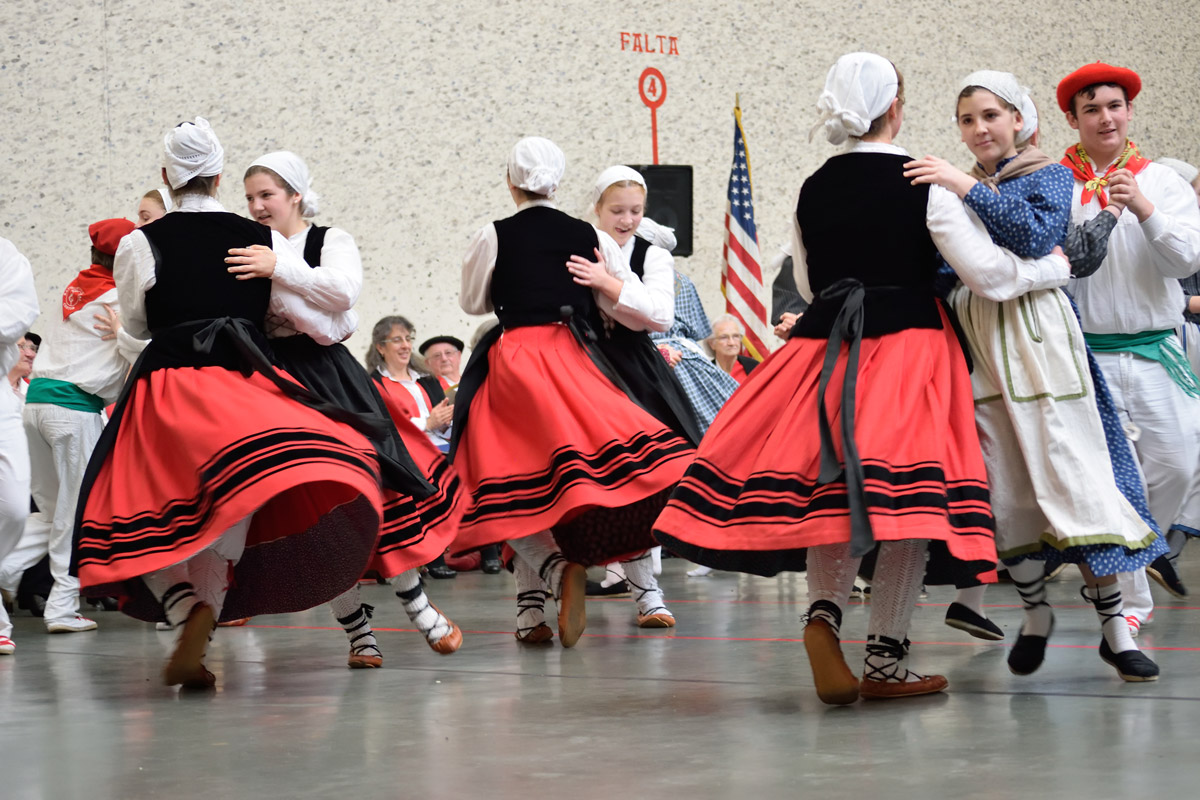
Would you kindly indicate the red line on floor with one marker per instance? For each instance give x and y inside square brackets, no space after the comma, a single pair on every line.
[711,638]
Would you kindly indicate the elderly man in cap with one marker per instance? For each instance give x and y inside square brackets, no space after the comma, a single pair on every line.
[1129,310]
[80,369]
[443,354]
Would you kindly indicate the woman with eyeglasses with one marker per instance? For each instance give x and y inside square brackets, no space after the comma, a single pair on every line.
[726,344]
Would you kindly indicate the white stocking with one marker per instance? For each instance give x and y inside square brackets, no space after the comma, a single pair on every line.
[830,576]
[355,619]
[639,572]
[541,552]
[894,589]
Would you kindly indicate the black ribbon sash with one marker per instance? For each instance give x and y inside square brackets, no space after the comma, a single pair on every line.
[227,342]
[847,327]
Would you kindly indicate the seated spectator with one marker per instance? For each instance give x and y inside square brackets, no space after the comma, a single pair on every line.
[443,355]
[391,355]
[726,344]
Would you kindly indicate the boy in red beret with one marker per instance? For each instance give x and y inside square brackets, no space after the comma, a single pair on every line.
[80,369]
[1130,308]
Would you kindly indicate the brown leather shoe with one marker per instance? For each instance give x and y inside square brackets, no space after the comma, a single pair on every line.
[836,684]
[539,634]
[364,661]
[888,690]
[186,666]
[656,621]
[572,612]
[451,641]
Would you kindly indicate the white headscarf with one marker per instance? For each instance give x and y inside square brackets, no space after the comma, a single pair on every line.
[1029,115]
[1002,84]
[192,149]
[1184,169]
[294,172]
[859,88]
[536,165]
[167,202]
[613,175]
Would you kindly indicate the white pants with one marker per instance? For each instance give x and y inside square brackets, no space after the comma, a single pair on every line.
[14,481]
[1164,425]
[61,441]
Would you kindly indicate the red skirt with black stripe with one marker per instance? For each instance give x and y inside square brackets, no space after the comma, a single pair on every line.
[549,439]
[416,532]
[751,501]
[198,450]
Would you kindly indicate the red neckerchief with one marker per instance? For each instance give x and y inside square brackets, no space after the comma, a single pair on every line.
[87,286]
[1081,166]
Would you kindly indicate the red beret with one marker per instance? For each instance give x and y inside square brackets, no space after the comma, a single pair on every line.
[1099,72]
[107,234]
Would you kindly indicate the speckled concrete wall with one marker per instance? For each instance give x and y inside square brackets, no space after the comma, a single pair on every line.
[405,110]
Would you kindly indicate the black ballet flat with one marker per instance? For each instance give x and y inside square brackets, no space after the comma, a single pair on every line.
[1028,653]
[1132,665]
[964,619]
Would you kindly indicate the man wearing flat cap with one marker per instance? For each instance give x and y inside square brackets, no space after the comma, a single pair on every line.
[1130,308]
[443,354]
[80,369]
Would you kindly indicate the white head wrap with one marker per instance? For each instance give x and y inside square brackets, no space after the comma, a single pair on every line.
[1002,84]
[615,175]
[167,202]
[1029,115]
[294,171]
[192,149]
[1185,170]
[536,165]
[859,88]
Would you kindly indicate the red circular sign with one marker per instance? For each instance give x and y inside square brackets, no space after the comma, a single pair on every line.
[652,86]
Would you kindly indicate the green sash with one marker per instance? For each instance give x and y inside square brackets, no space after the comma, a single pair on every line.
[1154,345]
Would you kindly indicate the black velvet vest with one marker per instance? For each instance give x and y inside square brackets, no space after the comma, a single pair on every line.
[861,218]
[313,244]
[192,281]
[531,283]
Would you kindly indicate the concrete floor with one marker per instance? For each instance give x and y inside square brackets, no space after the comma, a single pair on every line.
[722,706]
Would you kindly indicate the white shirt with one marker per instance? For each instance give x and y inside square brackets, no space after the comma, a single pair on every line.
[333,286]
[18,303]
[635,308]
[1137,288]
[658,276]
[72,351]
[134,272]
[984,267]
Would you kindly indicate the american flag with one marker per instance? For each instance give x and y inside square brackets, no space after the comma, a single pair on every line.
[741,270]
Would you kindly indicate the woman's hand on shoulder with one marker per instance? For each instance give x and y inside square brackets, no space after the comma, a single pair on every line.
[255,261]
[594,275]
[932,169]
[787,320]
[108,323]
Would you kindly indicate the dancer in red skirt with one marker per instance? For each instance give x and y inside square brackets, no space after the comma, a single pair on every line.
[773,482]
[220,487]
[279,194]
[543,438]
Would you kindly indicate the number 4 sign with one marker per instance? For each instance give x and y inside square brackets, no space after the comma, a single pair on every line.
[653,89]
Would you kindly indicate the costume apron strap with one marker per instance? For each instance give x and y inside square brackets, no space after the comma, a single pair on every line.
[848,328]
